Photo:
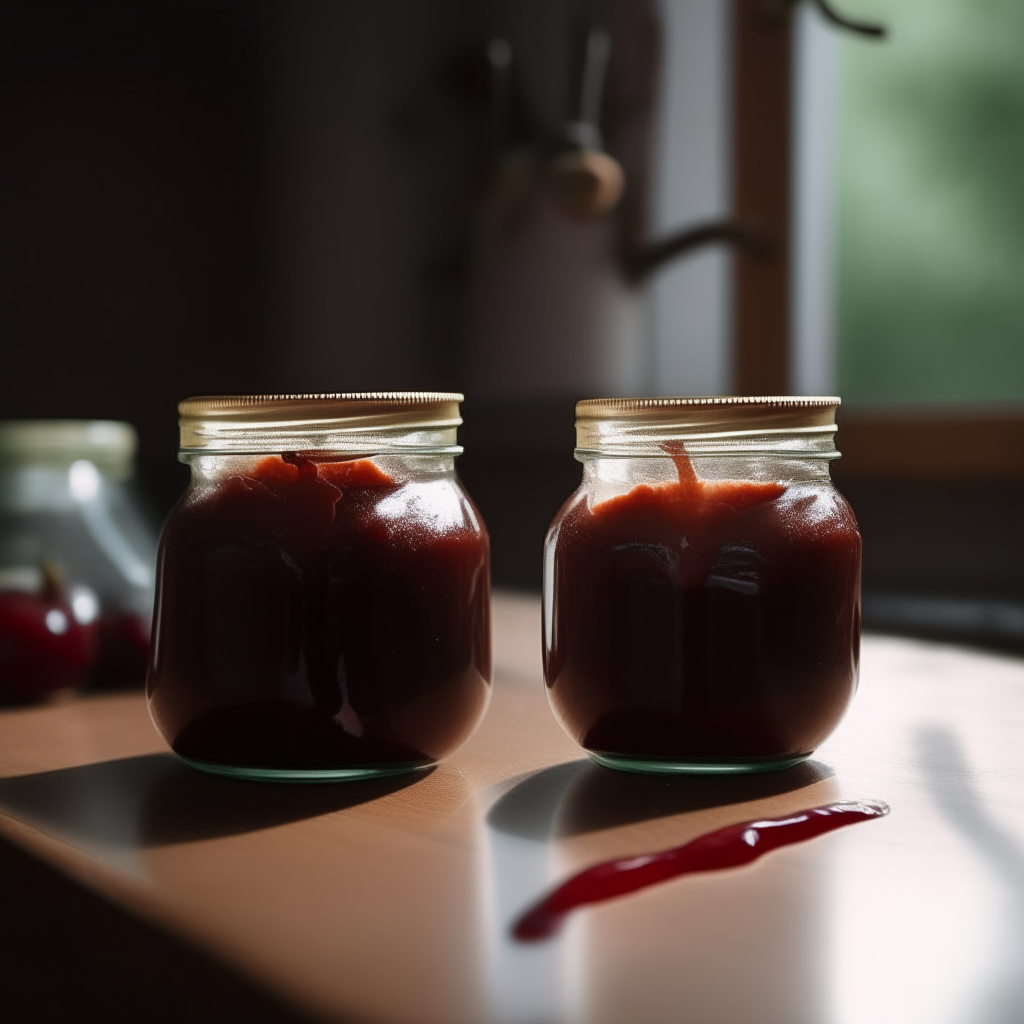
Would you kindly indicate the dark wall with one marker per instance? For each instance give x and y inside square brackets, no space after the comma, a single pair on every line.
[224,196]
[263,195]
[935,538]
[132,255]
[519,469]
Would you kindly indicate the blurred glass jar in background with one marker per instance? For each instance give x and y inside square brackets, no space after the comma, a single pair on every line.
[76,557]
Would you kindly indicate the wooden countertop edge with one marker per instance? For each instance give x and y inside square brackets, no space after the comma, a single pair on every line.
[142,904]
[114,885]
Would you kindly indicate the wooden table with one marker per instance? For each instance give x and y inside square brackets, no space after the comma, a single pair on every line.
[391,901]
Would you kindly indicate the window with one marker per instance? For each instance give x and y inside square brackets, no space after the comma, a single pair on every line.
[930,176]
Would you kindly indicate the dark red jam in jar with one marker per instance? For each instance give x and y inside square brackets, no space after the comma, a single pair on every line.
[323,589]
[702,586]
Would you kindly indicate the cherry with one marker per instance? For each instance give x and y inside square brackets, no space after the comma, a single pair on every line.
[43,647]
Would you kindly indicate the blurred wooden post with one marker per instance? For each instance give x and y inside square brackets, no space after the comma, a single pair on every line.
[762,72]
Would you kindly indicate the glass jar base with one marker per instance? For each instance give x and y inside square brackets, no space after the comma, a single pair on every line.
[672,766]
[355,773]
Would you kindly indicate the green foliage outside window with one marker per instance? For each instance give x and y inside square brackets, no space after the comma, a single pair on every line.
[931,205]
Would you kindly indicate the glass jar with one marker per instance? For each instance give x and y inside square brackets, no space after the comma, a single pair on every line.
[323,589]
[76,557]
[702,585]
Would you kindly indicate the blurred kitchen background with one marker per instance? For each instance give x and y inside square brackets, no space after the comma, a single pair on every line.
[203,196]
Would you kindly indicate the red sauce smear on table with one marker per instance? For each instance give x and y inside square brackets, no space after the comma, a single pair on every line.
[729,847]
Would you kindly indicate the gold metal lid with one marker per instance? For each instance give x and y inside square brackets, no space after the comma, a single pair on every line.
[370,422]
[108,444]
[735,425]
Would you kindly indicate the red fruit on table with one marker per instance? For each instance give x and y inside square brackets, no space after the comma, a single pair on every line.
[42,646]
